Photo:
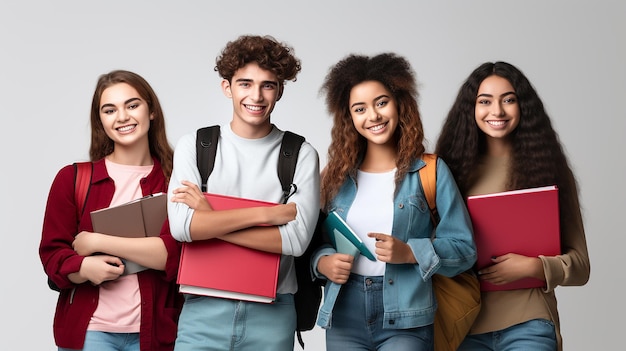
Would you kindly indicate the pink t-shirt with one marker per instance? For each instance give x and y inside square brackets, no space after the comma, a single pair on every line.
[119,304]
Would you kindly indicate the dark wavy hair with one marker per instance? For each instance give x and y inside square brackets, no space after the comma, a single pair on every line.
[537,156]
[348,147]
[102,145]
[266,51]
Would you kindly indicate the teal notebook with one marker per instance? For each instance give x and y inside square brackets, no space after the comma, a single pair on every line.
[343,245]
[343,238]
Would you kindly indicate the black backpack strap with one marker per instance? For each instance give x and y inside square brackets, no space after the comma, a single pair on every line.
[206,149]
[287,161]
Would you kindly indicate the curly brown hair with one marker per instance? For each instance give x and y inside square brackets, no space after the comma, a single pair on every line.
[102,145]
[266,51]
[537,156]
[348,147]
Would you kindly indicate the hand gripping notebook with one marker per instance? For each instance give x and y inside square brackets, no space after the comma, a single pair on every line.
[524,222]
[342,237]
[135,219]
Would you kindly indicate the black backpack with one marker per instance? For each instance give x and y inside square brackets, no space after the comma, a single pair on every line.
[309,295]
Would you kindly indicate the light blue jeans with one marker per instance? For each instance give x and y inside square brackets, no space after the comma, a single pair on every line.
[103,341]
[536,335]
[357,321]
[208,323]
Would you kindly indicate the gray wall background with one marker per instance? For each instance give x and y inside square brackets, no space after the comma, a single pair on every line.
[52,52]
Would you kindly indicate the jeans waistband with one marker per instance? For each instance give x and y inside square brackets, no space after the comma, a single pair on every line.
[365,282]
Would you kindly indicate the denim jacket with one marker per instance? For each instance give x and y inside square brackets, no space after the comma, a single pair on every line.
[408,299]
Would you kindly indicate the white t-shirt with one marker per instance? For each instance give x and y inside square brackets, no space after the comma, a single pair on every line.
[372,212]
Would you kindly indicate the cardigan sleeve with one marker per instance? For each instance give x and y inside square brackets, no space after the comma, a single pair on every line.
[572,267]
[60,225]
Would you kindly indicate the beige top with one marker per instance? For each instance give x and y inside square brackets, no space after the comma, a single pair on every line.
[502,309]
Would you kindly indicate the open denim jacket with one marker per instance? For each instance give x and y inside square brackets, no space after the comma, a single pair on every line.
[409,300]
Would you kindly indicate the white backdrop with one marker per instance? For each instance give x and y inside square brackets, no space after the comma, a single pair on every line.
[51,53]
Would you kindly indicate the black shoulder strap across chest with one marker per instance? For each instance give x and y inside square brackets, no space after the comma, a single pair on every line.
[287,160]
[206,149]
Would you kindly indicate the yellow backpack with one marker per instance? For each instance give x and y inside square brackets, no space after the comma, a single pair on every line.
[458,297]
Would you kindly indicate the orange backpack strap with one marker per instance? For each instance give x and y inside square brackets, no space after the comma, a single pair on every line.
[428,177]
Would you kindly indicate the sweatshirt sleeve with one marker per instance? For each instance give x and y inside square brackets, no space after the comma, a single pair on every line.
[297,234]
[184,168]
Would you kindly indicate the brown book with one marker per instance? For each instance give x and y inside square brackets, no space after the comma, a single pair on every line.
[139,218]
[135,219]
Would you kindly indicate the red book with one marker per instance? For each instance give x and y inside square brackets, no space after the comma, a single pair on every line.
[524,222]
[217,268]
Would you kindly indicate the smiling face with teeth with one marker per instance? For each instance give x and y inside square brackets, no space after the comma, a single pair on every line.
[125,116]
[374,112]
[254,92]
[497,110]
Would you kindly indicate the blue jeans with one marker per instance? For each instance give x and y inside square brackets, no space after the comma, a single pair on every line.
[208,323]
[357,322]
[536,335]
[103,341]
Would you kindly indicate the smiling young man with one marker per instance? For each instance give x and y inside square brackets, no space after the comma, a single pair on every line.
[253,70]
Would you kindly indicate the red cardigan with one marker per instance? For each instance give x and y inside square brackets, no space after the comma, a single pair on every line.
[160,301]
